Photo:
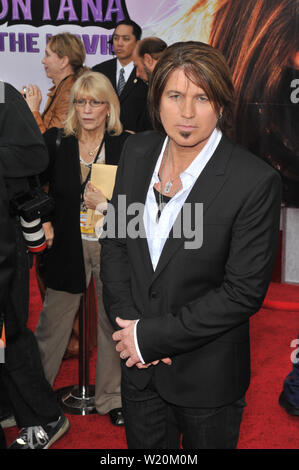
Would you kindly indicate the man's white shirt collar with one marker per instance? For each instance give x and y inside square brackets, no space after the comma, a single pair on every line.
[127,69]
[158,232]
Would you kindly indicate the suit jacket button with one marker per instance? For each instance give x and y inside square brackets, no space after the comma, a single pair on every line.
[154,295]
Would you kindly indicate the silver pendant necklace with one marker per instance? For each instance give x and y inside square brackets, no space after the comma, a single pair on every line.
[167,187]
[168,184]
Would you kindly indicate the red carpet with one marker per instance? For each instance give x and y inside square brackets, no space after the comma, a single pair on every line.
[282,297]
[265,424]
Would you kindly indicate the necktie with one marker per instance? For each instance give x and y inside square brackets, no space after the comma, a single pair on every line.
[121,82]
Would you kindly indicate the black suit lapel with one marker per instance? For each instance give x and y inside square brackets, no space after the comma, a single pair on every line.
[111,73]
[204,191]
[129,86]
[144,169]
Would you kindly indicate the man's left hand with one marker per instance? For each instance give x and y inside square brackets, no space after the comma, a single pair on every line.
[125,341]
[126,345]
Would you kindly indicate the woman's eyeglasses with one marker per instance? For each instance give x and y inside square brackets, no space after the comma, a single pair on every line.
[93,103]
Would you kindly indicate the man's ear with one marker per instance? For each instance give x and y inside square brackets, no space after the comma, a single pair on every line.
[148,60]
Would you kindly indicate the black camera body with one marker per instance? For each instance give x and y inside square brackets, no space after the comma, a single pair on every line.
[32,205]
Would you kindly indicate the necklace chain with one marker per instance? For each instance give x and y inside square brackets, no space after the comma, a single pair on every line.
[167,187]
[92,152]
[169,183]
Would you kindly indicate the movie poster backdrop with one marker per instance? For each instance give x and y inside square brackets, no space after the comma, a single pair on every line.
[259,38]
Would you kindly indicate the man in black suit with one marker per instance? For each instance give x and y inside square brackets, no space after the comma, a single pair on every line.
[132,91]
[182,279]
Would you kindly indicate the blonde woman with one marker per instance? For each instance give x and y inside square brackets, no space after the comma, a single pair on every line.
[92,133]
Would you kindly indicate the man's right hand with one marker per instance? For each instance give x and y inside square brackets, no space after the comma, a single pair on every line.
[166,360]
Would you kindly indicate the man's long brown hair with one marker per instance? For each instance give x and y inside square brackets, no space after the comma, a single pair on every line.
[202,64]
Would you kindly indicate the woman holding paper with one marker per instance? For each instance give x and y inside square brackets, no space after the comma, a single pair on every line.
[92,135]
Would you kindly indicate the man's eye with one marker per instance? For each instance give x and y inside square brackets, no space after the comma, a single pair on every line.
[174,97]
[203,98]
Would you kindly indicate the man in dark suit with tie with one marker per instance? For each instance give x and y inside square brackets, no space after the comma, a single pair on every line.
[182,278]
[132,91]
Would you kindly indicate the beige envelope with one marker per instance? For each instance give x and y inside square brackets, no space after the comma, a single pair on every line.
[103,177]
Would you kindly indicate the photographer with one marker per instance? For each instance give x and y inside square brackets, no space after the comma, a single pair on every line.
[33,402]
[7,248]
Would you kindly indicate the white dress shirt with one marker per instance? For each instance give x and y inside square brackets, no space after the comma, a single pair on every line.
[127,70]
[157,232]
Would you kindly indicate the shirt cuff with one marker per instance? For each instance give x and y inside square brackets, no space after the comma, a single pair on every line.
[136,342]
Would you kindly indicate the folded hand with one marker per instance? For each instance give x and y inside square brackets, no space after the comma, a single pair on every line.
[94,198]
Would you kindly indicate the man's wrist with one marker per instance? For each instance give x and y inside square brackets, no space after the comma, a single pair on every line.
[136,343]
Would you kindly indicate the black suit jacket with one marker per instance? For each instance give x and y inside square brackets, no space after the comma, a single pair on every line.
[133,99]
[195,307]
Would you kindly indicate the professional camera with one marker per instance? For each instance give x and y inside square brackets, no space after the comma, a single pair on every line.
[30,206]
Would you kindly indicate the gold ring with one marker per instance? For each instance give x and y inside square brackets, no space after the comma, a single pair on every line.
[30,92]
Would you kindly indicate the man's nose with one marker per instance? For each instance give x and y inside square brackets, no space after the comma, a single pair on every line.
[187,108]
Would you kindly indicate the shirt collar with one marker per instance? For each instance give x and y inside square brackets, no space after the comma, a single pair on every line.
[127,68]
[199,162]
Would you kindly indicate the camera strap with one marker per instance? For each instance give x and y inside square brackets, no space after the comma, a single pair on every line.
[34,182]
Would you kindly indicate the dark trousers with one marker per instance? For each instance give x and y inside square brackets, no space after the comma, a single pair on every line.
[291,384]
[31,397]
[153,423]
